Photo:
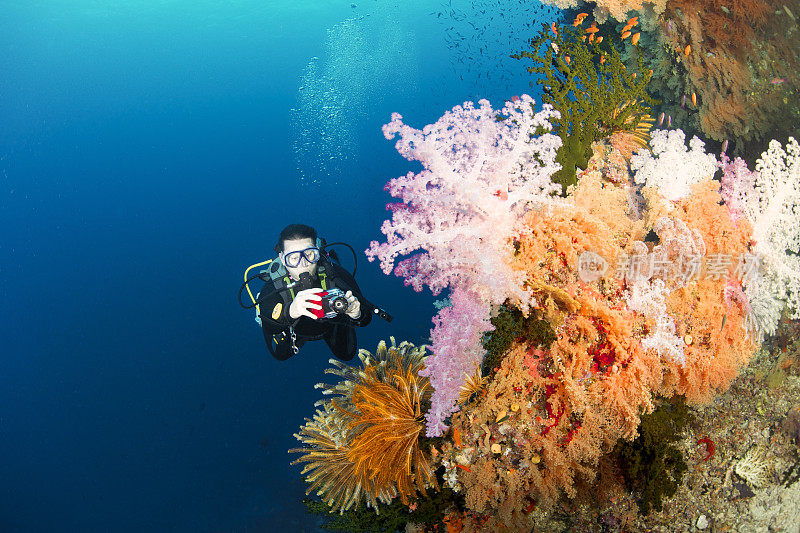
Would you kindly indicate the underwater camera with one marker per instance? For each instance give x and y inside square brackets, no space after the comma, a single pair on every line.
[333,300]
[333,303]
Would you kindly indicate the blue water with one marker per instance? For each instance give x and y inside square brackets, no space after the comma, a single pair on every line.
[149,152]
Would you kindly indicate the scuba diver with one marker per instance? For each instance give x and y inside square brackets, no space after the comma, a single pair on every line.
[307,296]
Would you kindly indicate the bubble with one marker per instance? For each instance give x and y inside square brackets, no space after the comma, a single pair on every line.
[365,59]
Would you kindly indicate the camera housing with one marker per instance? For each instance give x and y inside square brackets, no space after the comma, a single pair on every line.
[333,303]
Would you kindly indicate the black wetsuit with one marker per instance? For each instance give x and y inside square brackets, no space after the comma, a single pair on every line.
[339,332]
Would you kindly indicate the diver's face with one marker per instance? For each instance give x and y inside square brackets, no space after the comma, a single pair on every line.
[298,245]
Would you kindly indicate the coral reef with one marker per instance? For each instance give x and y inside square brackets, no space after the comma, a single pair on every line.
[570,319]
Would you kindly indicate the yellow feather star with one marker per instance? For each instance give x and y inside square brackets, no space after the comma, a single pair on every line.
[365,443]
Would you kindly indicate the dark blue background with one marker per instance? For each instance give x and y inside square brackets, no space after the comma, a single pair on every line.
[146,159]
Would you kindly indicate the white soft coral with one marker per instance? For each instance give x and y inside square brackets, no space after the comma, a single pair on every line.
[773,208]
[669,167]
[649,299]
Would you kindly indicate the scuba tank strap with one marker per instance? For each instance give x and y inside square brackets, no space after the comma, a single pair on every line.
[323,276]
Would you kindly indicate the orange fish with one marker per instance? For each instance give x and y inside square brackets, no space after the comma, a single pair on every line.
[626,35]
[602,59]
[583,38]
[599,39]
[687,50]
[633,21]
[593,28]
[457,438]
[651,72]
[579,19]
[567,59]
[633,75]
[694,99]
[553,27]
[635,39]
[591,37]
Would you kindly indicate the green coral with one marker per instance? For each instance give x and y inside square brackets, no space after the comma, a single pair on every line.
[651,464]
[511,326]
[594,98]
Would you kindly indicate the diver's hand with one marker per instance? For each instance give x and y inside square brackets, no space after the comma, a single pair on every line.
[353,306]
[305,300]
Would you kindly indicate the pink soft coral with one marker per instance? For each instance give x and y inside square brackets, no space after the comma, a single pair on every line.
[482,169]
[737,182]
[457,350]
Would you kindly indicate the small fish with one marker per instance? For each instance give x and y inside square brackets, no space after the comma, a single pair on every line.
[694,99]
[725,146]
[579,19]
[599,39]
[593,28]
[660,119]
[651,73]
[777,81]
[602,59]
[683,100]
[635,39]
[554,29]
[633,75]
[583,38]
[591,37]
[626,35]
[687,50]
[567,59]
[669,122]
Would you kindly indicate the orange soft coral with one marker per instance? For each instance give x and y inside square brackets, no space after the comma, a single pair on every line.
[550,413]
